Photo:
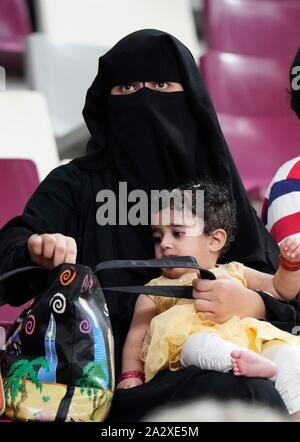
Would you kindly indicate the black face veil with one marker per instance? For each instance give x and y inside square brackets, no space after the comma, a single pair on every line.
[156,140]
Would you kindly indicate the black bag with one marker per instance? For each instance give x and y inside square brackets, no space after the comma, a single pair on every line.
[58,364]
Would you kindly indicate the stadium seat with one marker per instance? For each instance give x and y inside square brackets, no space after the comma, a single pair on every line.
[245,85]
[263,28]
[14,27]
[18,180]
[63,71]
[259,146]
[103,23]
[26,130]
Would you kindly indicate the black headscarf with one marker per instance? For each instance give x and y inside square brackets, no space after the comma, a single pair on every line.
[152,139]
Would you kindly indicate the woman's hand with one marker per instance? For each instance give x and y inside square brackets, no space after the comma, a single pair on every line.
[224,298]
[130,383]
[51,250]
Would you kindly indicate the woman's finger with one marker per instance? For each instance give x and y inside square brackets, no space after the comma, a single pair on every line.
[49,243]
[35,245]
[203,306]
[60,250]
[71,254]
[210,315]
[205,296]
[203,285]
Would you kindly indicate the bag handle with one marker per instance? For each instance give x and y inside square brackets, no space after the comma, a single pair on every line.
[166,290]
[24,282]
[185,262]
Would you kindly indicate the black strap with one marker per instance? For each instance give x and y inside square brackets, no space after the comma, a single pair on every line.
[168,290]
[159,290]
[185,262]
[20,285]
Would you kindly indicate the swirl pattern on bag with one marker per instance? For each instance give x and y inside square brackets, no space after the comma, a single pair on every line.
[67,276]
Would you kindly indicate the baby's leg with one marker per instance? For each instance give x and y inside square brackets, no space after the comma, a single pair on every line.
[211,352]
[287,381]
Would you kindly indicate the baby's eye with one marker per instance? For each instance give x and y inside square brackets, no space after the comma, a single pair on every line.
[156,239]
[178,234]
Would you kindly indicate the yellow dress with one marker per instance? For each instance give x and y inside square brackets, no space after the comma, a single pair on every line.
[177,319]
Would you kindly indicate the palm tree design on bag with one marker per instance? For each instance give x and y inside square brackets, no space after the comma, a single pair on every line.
[19,373]
[92,382]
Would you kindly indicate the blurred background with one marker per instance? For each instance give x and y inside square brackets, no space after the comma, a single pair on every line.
[50,49]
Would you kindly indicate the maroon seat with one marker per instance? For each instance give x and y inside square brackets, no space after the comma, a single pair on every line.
[15,26]
[245,85]
[18,180]
[9,314]
[263,28]
[259,146]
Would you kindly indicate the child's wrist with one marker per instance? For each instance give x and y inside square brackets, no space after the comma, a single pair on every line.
[288,265]
[132,374]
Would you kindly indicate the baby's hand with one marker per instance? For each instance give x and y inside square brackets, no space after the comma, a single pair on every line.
[130,383]
[290,249]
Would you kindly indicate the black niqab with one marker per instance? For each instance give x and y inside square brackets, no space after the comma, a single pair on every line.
[152,139]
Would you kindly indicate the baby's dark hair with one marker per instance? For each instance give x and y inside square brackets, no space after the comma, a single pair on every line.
[295,94]
[219,208]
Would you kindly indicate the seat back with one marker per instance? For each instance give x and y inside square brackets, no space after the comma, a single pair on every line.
[14,20]
[26,130]
[248,86]
[103,23]
[18,180]
[14,27]
[65,94]
[259,146]
[265,28]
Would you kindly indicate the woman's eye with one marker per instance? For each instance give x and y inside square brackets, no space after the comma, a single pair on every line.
[127,87]
[161,85]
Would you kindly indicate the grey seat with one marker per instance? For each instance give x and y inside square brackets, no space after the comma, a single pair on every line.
[103,22]
[62,71]
[26,131]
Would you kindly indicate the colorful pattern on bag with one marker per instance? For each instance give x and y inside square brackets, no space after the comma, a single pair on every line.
[59,359]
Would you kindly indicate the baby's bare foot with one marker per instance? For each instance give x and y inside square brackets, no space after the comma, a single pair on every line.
[251,365]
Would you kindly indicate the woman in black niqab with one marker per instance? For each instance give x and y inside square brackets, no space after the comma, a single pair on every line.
[150,140]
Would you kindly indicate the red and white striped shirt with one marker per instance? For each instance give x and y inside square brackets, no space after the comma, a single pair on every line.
[281,206]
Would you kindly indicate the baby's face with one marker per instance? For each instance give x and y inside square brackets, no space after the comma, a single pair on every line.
[180,237]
